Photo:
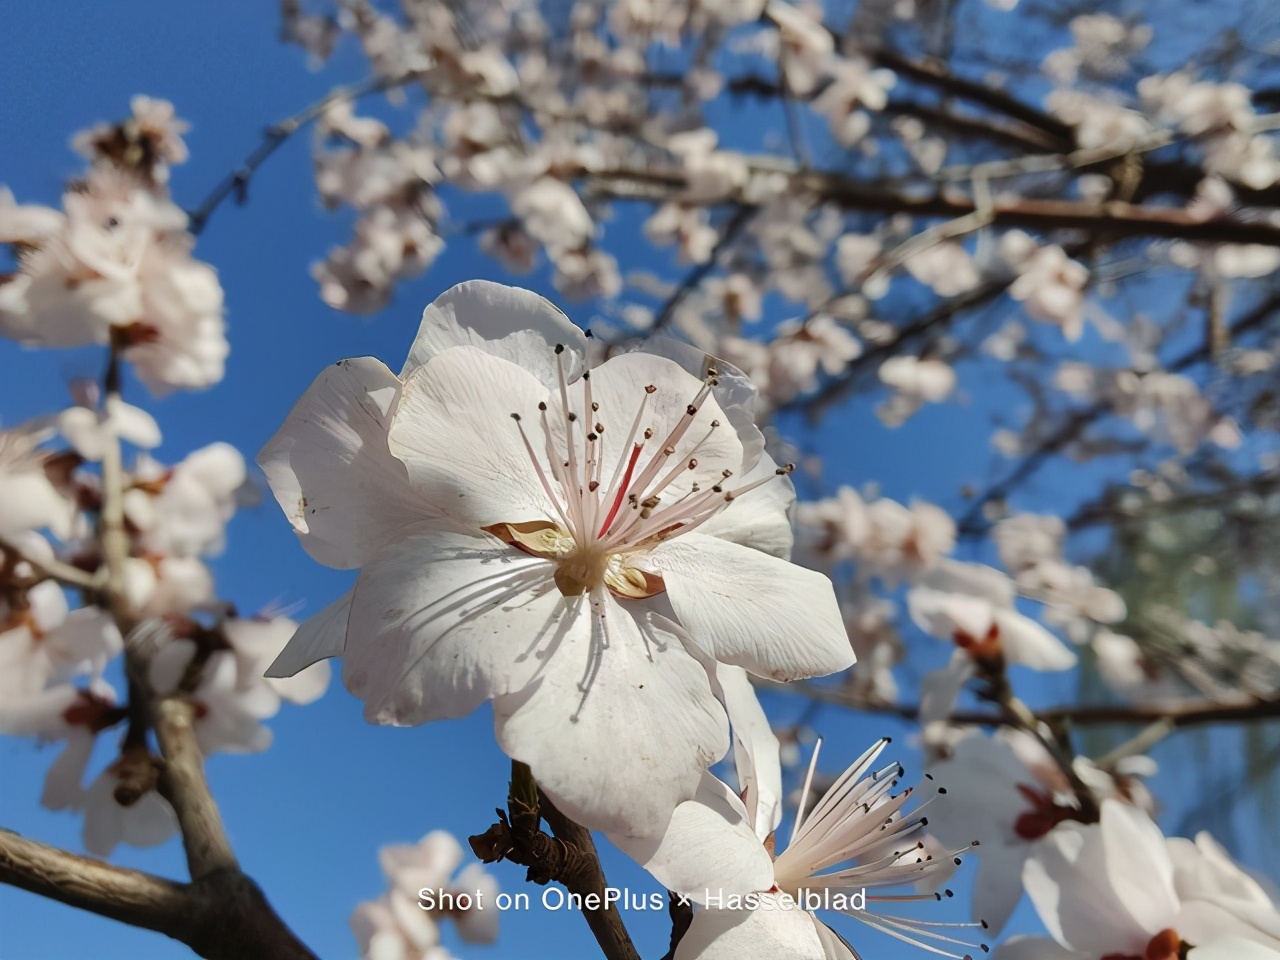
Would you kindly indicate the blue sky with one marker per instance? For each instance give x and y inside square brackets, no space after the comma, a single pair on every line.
[307,816]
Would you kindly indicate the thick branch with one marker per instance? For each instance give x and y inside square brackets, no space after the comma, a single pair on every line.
[224,916]
[182,783]
[568,857]
[129,896]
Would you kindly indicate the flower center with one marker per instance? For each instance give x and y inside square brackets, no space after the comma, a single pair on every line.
[610,515]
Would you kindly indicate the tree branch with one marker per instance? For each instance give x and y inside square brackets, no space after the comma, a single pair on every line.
[237,182]
[183,784]
[223,916]
[1182,716]
[568,857]
[129,896]
[973,523]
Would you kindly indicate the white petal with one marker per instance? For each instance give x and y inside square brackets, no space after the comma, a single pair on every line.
[148,822]
[1067,881]
[1233,948]
[170,662]
[622,755]
[63,788]
[441,622]
[454,432]
[508,322]
[1026,642]
[753,610]
[331,471]
[761,517]
[756,752]
[321,636]
[941,614]
[306,686]
[1138,865]
[998,885]
[619,387]
[769,932]
[708,848]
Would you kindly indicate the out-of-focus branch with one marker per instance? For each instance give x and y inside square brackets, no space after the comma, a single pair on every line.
[1112,219]
[1084,715]
[112,536]
[52,568]
[934,74]
[1107,511]
[973,523]
[236,183]
[666,312]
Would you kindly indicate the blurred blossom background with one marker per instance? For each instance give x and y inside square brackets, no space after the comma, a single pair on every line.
[1041,380]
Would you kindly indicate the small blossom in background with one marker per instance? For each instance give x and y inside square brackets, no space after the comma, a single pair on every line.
[400,925]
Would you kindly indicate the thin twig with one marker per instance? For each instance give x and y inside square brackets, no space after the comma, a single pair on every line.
[53,568]
[237,182]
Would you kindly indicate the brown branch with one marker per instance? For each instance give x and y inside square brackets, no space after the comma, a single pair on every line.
[129,896]
[224,916]
[183,784]
[1182,716]
[605,922]
[567,855]
[695,276]
[1113,219]
[236,183]
[934,74]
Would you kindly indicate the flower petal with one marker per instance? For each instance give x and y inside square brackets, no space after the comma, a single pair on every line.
[621,724]
[1138,865]
[708,847]
[441,622]
[1066,879]
[756,752]
[331,471]
[320,636]
[508,322]
[753,610]
[770,932]
[455,433]
[1026,642]
[619,387]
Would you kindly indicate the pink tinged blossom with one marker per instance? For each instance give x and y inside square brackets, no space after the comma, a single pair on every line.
[973,606]
[601,539]
[29,499]
[1112,889]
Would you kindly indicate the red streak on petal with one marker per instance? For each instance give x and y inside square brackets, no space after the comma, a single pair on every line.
[622,490]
